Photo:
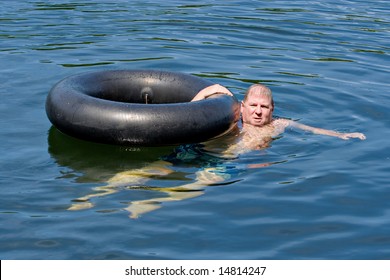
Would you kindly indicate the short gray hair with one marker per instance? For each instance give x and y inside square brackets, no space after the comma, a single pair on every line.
[259,89]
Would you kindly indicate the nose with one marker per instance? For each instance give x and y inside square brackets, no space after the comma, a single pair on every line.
[258,109]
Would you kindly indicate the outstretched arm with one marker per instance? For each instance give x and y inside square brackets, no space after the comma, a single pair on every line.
[211,90]
[322,131]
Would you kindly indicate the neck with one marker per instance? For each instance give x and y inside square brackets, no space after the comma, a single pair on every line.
[249,126]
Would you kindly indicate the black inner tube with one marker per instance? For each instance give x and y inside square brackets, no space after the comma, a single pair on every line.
[139,107]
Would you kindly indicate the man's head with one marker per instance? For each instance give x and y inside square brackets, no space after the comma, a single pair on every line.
[257,106]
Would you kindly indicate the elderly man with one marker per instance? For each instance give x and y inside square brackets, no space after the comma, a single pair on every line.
[258,130]
[256,114]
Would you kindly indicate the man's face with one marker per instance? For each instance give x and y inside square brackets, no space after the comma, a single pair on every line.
[257,110]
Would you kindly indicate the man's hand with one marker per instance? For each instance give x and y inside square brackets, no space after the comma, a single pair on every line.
[347,136]
[211,90]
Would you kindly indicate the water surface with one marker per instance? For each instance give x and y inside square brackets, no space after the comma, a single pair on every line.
[327,63]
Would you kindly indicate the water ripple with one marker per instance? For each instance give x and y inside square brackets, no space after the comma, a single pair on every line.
[304,197]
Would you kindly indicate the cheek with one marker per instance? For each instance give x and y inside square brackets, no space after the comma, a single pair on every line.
[245,114]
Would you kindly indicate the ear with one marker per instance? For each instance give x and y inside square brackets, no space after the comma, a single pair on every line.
[241,107]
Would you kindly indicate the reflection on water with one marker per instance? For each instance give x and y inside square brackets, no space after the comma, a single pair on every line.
[103,161]
[92,162]
[213,164]
[137,178]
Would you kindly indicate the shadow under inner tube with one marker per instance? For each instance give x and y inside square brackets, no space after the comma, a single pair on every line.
[139,107]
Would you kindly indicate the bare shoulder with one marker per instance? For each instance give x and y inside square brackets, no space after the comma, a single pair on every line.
[281,123]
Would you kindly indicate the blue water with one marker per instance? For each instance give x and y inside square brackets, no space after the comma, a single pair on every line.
[327,63]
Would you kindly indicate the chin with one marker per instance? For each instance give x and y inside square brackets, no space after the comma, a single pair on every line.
[258,123]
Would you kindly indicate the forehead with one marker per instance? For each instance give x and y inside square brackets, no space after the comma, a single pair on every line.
[258,98]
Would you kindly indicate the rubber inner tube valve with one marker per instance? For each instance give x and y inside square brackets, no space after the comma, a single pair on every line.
[147,95]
